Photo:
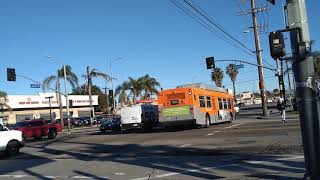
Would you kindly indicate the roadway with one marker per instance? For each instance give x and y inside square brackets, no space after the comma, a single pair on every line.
[248,148]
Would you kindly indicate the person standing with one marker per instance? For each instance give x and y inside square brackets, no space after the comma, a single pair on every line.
[282,109]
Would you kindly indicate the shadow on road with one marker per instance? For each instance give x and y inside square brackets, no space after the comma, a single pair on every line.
[160,157]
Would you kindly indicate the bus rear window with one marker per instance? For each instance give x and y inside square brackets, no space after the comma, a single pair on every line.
[174,102]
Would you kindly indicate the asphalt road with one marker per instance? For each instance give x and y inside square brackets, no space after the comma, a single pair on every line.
[249,148]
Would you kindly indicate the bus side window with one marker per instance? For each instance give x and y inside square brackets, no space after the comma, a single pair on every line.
[229,104]
[209,105]
[220,103]
[225,104]
[201,101]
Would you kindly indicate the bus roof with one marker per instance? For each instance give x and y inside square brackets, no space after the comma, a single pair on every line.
[203,86]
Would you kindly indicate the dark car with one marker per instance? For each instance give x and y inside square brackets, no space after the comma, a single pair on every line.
[85,121]
[110,124]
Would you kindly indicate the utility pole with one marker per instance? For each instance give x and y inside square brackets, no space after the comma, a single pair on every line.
[50,97]
[106,93]
[90,95]
[66,96]
[307,93]
[284,8]
[258,53]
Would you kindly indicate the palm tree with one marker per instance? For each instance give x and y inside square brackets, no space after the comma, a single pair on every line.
[135,87]
[94,73]
[217,76]
[3,102]
[149,85]
[121,91]
[56,79]
[232,71]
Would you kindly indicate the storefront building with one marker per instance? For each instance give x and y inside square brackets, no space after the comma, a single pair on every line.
[37,106]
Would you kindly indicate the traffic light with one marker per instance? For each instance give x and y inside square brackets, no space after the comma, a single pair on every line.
[70,103]
[11,74]
[110,93]
[277,46]
[210,63]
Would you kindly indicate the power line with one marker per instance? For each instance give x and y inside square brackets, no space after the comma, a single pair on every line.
[211,20]
[241,82]
[222,35]
[205,24]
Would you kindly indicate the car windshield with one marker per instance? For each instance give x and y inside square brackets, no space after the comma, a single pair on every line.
[20,124]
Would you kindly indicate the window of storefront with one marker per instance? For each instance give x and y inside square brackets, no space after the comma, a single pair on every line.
[23,117]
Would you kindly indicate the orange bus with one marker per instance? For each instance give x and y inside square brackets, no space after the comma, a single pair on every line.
[197,104]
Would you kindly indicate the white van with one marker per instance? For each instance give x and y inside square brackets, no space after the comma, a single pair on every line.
[139,116]
[10,140]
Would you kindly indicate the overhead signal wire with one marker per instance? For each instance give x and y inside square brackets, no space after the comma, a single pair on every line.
[204,24]
[212,21]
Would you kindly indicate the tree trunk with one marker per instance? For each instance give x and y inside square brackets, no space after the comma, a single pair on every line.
[90,97]
[60,105]
[234,91]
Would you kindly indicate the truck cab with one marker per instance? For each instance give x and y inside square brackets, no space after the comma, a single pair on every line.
[10,140]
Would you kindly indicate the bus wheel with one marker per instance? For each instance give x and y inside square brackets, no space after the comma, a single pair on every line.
[207,121]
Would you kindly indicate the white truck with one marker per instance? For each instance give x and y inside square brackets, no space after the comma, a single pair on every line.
[10,140]
[139,116]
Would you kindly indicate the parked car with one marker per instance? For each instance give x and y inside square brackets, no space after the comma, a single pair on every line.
[10,140]
[85,121]
[38,128]
[110,124]
[240,105]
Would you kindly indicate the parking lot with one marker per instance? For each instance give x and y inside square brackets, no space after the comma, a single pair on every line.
[256,148]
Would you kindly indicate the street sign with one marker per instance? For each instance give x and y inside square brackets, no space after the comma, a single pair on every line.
[238,66]
[35,85]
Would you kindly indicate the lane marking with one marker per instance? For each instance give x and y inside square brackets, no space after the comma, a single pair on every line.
[210,134]
[120,174]
[185,145]
[279,159]
[80,177]
[216,131]
[290,158]
[184,171]
[232,126]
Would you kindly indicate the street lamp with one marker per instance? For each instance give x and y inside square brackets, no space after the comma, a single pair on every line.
[50,97]
[110,68]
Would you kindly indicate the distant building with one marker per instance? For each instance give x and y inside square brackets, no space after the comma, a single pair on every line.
[37,106]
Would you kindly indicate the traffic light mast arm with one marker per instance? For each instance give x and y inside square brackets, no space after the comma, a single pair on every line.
[25,77]
[245,62]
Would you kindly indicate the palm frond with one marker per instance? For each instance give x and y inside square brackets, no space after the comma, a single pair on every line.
[47,82]
[96,73]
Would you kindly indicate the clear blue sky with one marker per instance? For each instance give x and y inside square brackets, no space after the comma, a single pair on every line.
[154,37]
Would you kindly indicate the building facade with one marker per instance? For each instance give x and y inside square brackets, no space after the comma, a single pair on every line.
[38,106]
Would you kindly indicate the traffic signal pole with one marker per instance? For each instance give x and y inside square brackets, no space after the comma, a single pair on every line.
[307,92]
[258,53]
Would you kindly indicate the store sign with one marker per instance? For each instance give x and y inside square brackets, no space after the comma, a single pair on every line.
[39,101]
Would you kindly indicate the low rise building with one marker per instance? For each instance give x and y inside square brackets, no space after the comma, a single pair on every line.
[37,106]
